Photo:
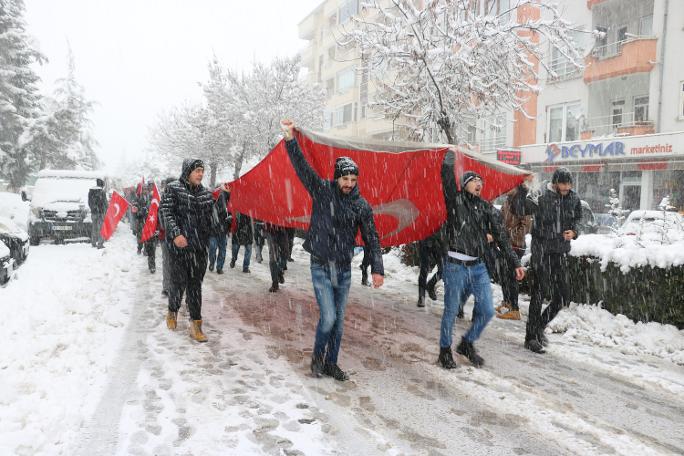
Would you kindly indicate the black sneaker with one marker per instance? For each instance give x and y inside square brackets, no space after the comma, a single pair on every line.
[316,363]
[446,359]
[535,346]
[334,371]
[432,293]
[211,267]
[246,270]
[468,350]
[273,288]
[232,264]
[281,278]
[421,302]
[219,271]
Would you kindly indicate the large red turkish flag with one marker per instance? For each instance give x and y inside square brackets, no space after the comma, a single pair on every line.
[116,210]
[151,221]
[401,181]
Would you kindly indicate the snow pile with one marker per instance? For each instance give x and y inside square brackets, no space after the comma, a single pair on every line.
[65,312]
[627,252]
[598,327]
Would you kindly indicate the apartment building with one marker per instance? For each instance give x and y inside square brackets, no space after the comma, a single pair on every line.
[616,123]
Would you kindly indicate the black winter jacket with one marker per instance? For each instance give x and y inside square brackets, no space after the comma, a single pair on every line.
[469,220]
[335,218]
[243,234]
[97,201]
[553,214]
[220,223]
[187,211]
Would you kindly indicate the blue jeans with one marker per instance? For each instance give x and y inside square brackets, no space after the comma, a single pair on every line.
[248,254]
[331,287]
[217,242]
[462,281]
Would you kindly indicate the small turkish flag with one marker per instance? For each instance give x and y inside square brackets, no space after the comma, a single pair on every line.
[151,220]
[116,210]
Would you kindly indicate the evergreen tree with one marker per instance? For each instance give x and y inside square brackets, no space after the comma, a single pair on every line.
[19,97]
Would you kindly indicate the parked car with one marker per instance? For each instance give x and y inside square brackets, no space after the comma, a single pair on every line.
[59,205]
[16,239]
[587,224]
[605,223]
[6,264]
[653,225]
[12,207]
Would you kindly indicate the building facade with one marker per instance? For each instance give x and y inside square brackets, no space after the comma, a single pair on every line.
[618,122]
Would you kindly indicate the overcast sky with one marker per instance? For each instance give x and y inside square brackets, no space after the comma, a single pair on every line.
[136,58]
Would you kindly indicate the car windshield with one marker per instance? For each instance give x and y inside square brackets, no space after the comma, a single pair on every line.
[61,189]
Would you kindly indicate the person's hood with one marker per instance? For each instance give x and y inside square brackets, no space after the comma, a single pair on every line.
[189,164]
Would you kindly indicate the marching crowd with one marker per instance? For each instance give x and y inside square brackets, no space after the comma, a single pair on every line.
[475,244]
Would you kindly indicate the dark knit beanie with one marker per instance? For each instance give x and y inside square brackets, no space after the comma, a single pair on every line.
[345,166]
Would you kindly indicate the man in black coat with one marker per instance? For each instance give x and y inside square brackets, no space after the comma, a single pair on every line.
[466,236]
[278,248]
[430,255]
[186,208]
[97,202]
[220,226]
[556,215]
[242,236]
[339,212]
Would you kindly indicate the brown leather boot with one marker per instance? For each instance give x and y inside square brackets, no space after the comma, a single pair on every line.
[172,320]
[196,331]
[510,315]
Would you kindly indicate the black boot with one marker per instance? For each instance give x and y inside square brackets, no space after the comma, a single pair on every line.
[468,350]
[281,277]
[274,287]
[541,337]
[211,266]
[446,359]
[364,276]
[431,292]
[316,365]
[334,371]
[232,263]
[421,301]
[534,345]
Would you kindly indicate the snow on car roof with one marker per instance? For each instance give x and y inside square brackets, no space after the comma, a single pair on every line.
[71,174]
[657,215]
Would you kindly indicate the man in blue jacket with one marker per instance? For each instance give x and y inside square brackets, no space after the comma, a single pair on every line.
[338,212]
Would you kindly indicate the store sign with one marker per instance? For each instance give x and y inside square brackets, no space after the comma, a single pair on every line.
[584,151]
[512,157]
[645,147]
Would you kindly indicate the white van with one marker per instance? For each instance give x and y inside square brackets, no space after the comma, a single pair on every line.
[59,205]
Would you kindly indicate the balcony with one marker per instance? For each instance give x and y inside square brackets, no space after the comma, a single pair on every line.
[618,59]
[625,124]
[592,3]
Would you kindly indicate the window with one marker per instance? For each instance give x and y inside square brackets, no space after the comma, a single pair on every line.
[641,109]
[346,80]
[616,113]
[622,34]
[332,20]
[342,115]
[348,9]
[330,87]
[494,133]
[560,66]
[646,25]
[564,122]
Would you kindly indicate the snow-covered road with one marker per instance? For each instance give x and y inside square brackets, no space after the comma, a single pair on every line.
[135,388]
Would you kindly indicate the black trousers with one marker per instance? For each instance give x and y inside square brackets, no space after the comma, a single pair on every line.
[278,253]
[509,285]
[187,272]
[290,241]
[429,258]
[166,267]
[150,250]
[95,236]
[550,278]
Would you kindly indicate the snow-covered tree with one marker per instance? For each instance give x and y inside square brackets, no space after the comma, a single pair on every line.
[19,97]
[615,209]
[438,65]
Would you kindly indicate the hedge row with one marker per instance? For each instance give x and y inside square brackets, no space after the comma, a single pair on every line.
[642,294]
